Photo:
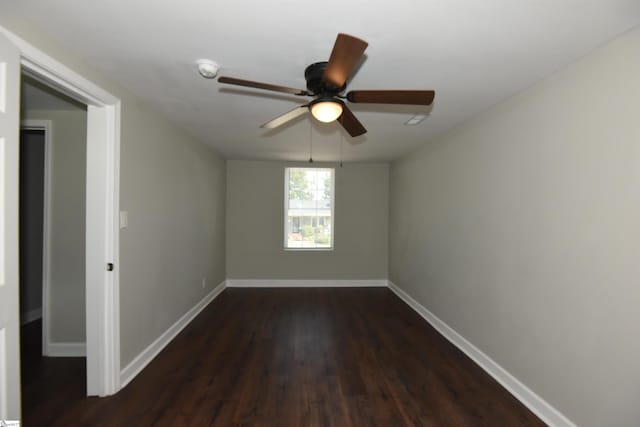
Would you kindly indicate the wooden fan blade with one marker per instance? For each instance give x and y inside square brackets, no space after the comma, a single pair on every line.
[259,85]
[284,118]
[350,123]
[406,97]
[346,54]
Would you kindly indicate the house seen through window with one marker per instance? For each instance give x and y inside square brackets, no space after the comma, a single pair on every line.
[308,208]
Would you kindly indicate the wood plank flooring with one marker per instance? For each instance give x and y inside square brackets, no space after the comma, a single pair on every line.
[289,357]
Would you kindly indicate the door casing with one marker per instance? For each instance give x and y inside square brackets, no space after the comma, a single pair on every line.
[102,238]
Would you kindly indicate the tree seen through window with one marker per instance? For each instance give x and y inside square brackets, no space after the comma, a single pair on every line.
[309,208]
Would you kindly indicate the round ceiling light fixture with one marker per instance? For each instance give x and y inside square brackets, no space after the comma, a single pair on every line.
[207,68]
[326,110]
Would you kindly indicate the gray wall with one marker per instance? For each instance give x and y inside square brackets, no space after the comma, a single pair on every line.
[174,190]
[67,228]
[255,224]
[31,222]
[521,230]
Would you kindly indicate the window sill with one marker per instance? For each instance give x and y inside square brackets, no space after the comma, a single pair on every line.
[308,249]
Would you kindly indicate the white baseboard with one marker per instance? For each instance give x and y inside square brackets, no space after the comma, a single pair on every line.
[531,400]
[148,354]
[30,316]
[66,349]
[276,283]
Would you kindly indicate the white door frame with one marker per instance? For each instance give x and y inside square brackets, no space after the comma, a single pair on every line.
[102,239]
[9,224]
[45,126]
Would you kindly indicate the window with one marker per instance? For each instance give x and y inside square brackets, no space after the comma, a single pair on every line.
[308,208]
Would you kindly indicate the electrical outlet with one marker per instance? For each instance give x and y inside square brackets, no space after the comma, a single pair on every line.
[204,282]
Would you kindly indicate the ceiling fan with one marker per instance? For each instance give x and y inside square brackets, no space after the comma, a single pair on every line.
[325,83]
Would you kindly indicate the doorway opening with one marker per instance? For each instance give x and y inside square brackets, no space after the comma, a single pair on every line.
[102,206]
[52,242]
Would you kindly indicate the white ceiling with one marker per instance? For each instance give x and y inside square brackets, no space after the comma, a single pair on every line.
[472,53]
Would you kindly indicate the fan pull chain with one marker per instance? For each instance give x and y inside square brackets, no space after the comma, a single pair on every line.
[341,143]
[310,141]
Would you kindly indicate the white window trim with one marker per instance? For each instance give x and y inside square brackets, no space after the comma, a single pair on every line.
[286,210]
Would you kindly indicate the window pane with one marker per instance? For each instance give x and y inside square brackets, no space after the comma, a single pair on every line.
[309,208]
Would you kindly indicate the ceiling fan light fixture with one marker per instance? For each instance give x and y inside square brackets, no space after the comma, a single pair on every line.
[327,80]
[326,110]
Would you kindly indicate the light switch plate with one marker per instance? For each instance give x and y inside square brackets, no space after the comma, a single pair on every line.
[124,219]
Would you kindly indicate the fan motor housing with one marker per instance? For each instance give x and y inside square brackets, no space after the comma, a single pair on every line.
[313,75]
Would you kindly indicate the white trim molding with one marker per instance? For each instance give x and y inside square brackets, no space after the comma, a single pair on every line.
[148,354]
[43,67]
[103,171]
[66,349]
[288,283]
[530,399]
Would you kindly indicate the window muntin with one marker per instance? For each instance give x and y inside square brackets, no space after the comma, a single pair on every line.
[308,208]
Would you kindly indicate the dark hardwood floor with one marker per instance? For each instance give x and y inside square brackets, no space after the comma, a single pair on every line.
[49,384]
[288,357]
